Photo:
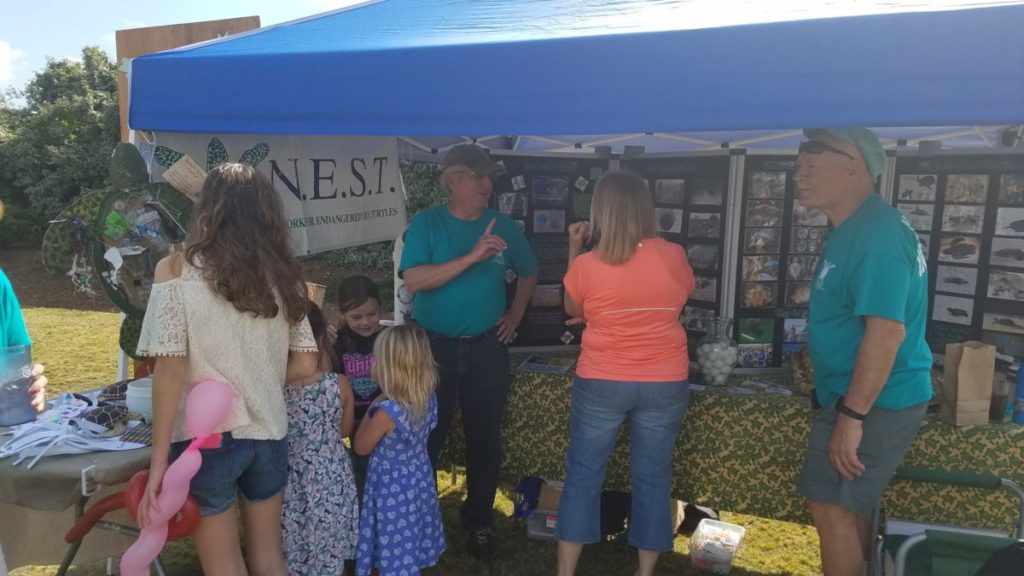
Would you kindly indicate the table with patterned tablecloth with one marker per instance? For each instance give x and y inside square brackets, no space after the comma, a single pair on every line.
[742,452]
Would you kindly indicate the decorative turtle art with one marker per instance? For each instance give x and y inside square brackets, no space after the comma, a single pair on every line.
[115,236]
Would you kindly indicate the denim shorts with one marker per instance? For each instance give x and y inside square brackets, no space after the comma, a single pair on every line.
[256,469]
[887,437]
[655,412]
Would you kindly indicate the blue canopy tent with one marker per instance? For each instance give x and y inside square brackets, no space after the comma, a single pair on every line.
[671,74]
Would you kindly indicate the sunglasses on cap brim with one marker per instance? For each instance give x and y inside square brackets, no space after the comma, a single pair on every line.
[819,147]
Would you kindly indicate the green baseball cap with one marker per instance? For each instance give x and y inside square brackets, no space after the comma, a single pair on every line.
[473,157]
[865,141]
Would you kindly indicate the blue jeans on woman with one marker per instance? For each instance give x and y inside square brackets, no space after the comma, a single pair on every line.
[655,411]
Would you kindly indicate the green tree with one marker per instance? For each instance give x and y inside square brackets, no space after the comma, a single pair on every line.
[60,141]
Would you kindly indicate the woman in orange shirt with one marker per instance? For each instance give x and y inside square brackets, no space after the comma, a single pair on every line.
[630,290]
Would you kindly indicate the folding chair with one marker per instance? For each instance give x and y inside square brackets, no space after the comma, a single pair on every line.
[944,550]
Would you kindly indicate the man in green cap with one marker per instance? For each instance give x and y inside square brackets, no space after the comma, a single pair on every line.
[454,263]
[869,304]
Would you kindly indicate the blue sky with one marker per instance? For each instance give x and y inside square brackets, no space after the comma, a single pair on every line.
[33,30]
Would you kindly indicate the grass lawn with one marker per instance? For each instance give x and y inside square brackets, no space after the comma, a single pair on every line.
[80,352]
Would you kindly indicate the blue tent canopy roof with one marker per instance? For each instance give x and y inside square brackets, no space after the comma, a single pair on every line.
[445,67]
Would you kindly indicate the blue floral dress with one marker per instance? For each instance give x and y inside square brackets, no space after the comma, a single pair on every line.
[320,515]
[400,528]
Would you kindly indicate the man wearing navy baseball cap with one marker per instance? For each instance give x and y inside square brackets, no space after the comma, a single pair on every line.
[869,304]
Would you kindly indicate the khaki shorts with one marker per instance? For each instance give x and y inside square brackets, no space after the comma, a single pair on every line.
[887,437]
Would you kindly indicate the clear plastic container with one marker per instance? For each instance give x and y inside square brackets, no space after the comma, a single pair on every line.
[717,352]
[15,379]
[541,524]
[714,545]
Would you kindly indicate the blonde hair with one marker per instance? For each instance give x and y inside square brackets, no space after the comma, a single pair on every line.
[404,368]
[622,214]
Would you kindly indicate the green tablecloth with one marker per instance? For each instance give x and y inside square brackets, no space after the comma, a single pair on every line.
[742,453]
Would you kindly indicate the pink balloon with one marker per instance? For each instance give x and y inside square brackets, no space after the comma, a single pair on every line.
[207,405]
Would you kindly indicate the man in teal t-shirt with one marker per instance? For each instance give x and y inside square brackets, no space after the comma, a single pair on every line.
[869,305]
[454,263]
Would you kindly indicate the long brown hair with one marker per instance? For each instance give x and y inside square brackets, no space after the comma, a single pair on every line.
[318,324]
[241,242]
[623,215]
[404,368]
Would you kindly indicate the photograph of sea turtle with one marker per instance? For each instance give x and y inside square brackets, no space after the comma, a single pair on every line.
[963,219]
[1007,252]
[959,249]
[1010,222]
[1003,323]
[763,241]
[920,216]
[765,185]
[953,309]
[764,213]
[1011,189]
[917,187]
[669,220]
[966,188]
[707,191]
[956,279]
[1006,285]
[669,191]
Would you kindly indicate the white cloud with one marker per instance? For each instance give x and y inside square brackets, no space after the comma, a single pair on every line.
[8,56]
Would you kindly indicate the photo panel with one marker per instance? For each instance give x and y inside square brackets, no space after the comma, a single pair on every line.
[758,295]
[925,241]
[953,309]
[798,294]
[959,249]
[548,221]
[966,188]
[760,268]
[707,191]
[581,205]
[763,241]
[755,355]
[956,279]
[1006,285]
[698,319]
[803,216]
[705,288]
[767,185]
[1007,252]
[512,204]
[546,295]
[670,191]
[669,220]
[764,213]
[1009,323]
[791,348]
[1009,347]
[705,226]
[800,268]
[1010,222]
[550,191]
[962,219]
[756,330]
[702,256]
[920,216]
[794,330]
[807,240]
[917,187]
[1011,189]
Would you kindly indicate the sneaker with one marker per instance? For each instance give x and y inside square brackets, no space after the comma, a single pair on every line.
[480,544]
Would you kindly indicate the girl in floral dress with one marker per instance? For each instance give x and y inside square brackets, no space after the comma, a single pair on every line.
[400,529]
[320,516]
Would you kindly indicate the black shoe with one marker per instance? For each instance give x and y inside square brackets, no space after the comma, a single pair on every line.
[480,544]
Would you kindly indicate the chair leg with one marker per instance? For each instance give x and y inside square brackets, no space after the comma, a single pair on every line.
[69,557]
[159,566]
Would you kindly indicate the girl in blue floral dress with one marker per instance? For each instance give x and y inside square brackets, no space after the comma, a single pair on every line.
[400,529]
[320,515]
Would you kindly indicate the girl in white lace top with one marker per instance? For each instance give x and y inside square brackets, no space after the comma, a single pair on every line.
[231,308]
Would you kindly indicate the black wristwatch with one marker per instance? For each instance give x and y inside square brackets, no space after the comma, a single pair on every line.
[845,410]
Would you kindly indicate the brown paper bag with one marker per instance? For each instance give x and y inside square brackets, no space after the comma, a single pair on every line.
[967,384]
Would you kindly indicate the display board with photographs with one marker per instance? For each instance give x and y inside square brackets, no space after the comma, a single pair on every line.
[780,241]
[969,214]
[690,202]
[544,195]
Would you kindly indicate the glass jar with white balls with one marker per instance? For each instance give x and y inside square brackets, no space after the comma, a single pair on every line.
[717,352]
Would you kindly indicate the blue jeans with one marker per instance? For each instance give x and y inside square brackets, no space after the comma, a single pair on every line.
[655,411]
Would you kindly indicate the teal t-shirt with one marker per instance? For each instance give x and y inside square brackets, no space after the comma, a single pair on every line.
[12,325]
[474,301]
[872,265]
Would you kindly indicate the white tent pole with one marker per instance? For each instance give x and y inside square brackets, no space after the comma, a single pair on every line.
[733,214]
